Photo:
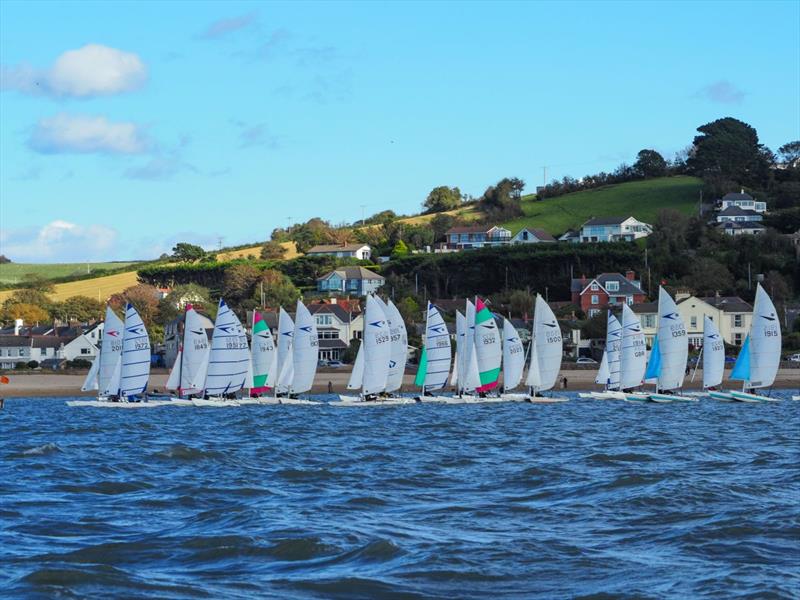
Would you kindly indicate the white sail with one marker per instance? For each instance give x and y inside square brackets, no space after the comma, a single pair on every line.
[110,355]
[765,341]
[548,345]
[613,350]
[458,367]
[534,379]
[357,374]
[377,348]
[633,356]
[468,377]
[174,379]
[437,348]
[513,356]
[469,343]
[135,366]
[228,359]
[90,383]
[191,363]
[399,354]
[603,374]
[713,354]
[284,362]
[673,344]
[305,350]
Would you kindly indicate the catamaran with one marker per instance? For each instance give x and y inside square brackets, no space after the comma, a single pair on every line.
[602,377]
[612,366]
[488,349]
[284,362]
[669,354]
[399,347]
[105,371]
[466,377]
[759,359]
[434,363]
[633,353]
[546,351]
[263,359]
[188,374]
[305,356]
[228,361]
[513,362]
[713,360]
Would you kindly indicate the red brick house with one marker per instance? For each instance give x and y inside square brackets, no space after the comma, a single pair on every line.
[615,289]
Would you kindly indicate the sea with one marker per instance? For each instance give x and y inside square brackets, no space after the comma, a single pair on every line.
[583,499]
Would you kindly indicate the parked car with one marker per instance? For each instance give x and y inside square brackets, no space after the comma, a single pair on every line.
[793,357]
[585,360]
[730,359]
[335,364]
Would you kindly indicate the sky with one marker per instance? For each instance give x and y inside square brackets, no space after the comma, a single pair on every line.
[127,127]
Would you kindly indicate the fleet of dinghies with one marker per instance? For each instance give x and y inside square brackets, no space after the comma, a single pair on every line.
[231,371]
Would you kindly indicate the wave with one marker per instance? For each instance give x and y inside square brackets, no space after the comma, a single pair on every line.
[43,450]
[186,453]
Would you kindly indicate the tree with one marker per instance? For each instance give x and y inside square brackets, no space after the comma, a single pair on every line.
[185,252]
[79,308]
[174,303]
[521,303]
[790,154]
[273,250]
[29,313]
[595,328]
[442,198]
[409,310]
[668,245]
[144,299]
[311,233]
[278,290]
[400,249]
[650,163]
[34,281]
[503,200]
[380,218]
[30,296]
[440,224]
[238,283]
[707,277]
[4,259]
[730,148]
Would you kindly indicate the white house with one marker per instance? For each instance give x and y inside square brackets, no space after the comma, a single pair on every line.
[528,235]
[476,236]
[742,200]
[614,229]
[62,343]
[359,251]
[741,228]
[738,215]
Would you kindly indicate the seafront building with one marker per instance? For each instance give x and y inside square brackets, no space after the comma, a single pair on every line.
[47,345]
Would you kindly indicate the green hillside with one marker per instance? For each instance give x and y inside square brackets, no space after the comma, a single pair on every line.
[641,199]
[13,273]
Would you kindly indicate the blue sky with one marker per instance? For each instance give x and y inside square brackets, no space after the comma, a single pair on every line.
[125,127]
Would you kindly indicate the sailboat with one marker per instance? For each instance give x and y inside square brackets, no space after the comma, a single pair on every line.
[105,371]
[759,359]
[488,348]
[228,361]
[670,352]
[188,374]
[633,354]
[513,362]
[546,351]
[399,346]
[434,363]
[284,363]
[263,358]
[602,377]
[612,357]
[305,356]
[713,360]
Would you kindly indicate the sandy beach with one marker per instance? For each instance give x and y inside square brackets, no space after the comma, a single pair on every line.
[34,384]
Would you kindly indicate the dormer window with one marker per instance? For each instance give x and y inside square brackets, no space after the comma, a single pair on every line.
[612,286]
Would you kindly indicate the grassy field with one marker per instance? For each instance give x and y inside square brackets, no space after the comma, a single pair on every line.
[99,287]
[15,272]
[641,199]
[255,251]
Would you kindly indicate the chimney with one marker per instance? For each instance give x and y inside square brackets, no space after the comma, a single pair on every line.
[630,275]
[17,326]
[333,300]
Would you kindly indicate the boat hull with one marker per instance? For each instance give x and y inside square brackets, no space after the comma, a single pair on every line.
[214,402]
[636,397]
[358,402]
[748,397]
[721,396]
[123,404]
[664,398]
[608,395]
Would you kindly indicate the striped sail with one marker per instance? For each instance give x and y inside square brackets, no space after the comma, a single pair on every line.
[613,350]
[488,347]
[284,362]
[633,355]
[765,341]
[377,342]
[713,354]
[673,344]
[135,365]
[262,355]
[305,350]
[548,345]
[513,357]
[437,350]
[229,358]
[399,356]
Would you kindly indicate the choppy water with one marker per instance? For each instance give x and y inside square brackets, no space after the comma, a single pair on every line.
[584,499]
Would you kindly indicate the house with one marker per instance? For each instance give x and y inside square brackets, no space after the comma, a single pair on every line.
[572,236]
[359,251]
[614,229]
[478,236]
[737,214]
[526,235]
[173,335]
[742,200]
[356,281]
[607,289]
[731,314]
[744,228]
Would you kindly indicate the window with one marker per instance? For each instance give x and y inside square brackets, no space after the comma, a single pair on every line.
[649,321]
[324,319]
[595,299]
[612,286]
[737,320]
[737,339]
[22,351]
[693,322]
[593,312]
[595,287]
[630,300]
[84,351]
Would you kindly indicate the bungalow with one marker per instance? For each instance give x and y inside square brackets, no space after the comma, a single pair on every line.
[735,228]
[607,289]
[356,281]
[732,315]
[739,215]
[359,251]
[742,200]
[614,229]
[527,235]
[479,236]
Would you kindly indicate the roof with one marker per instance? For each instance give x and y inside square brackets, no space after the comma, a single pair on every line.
[474,229]
[539,233]
[626,286]
[645,308]
[605,221]
[740,225]
[732,196]
[326,248]
[353,273]
[14,341]
[732,304]
[330,344]
[737,211]
[334,309]
[49,341]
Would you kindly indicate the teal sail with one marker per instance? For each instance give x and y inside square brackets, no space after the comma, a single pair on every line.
[654,365]
[741,369]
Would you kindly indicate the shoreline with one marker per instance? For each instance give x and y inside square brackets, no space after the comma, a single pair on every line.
[65,385]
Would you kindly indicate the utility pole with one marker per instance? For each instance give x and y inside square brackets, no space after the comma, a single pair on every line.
[544,175]
[363,206]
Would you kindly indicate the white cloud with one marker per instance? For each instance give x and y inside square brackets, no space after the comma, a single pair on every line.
[93,70]
[85,134]
[60,240]
[721,92]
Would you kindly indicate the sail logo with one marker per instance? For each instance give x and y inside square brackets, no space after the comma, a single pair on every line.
[770,318]
[307,328]
[392,364]
[136,329]
[112,332]
[226,328]
[378,323]
[671,316]
[512,340]
[616,333]
[437,329]
[289,333]
[198,331]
